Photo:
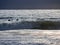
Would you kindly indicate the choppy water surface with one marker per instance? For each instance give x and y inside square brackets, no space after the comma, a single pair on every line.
[9,18]
[30,37]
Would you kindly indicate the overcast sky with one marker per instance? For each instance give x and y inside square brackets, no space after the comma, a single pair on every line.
[26,4]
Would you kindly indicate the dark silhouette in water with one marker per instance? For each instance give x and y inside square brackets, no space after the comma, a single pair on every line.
[17,19]
[9,20]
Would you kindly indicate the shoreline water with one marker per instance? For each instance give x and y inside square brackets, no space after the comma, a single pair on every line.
[30,37]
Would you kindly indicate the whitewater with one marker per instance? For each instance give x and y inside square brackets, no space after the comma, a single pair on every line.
[30,37]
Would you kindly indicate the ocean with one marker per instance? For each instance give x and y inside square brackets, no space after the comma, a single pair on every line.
[30,37]
[17,27]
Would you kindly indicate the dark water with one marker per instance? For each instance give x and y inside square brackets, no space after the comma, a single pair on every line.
[14,43]
[20,25]
[6,23]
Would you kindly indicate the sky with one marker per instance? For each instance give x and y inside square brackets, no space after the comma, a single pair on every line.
[29,4]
